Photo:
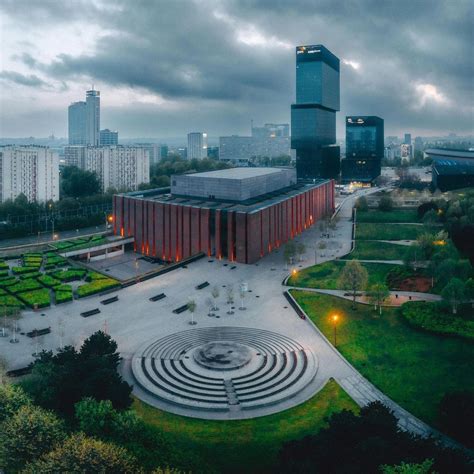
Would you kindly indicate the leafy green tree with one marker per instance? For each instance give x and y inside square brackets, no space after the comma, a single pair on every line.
[469,291]
[453,293]
[76,182]
[79,453]
[60,380]
[289,252]
[353,278]
[456,416]
[147,444]
[362,204]
[26,435]
[404,468]
[378,293]
[300,249]
[385,204]
[12,398]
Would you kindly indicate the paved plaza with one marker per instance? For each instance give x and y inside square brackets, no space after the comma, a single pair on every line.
[135,321]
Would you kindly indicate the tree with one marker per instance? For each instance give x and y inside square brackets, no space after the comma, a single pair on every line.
[404,468]
[79,453]
[353,278]
[469,291]
[12,398]
[289,252]
[230,298]
[378,294]
[412,256]
[26,435]
[192,307]
[300,249]
[215,294]
[385,204]
[60,380]
[360,444]
[453,293]
[76,182]
[362,204]
[456,416]
[146,443]
[242,294]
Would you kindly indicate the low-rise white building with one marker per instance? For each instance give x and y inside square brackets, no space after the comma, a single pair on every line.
[29,170]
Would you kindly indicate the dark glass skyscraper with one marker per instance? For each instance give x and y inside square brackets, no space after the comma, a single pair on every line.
[313,117]
[364,149]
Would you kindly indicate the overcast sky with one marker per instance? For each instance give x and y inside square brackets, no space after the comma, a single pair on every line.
[167,67]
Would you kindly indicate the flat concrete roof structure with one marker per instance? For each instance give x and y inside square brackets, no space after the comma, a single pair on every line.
[234,185]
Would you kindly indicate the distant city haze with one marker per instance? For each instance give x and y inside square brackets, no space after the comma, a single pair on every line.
[165,68]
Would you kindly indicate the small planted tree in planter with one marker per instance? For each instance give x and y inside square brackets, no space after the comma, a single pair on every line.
[192,307]
[242,294]
[230,298]
[215,294]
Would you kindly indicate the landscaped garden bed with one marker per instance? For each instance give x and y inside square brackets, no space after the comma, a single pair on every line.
[63,293]
[23,270]
[415,368]
[36,298]
[436,318]
[97,286]
[69,275]
[48,281]
[7,281]
[91,276]
[24,285]
[10,301]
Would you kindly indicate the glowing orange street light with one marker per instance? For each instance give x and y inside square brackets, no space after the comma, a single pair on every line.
[294,271]
[110,218]
[334,319]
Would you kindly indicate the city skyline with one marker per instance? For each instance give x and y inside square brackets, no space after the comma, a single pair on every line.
[157,81]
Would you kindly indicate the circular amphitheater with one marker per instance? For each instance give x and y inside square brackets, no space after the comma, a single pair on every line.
[223,370]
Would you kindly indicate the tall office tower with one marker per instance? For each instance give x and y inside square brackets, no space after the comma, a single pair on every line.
[108,137]
[313,116]
[93,118]
[163,151]
[29,170]
[77,123]
[364,149]
[197,145]
[418,144]
[119,167]
[407,140]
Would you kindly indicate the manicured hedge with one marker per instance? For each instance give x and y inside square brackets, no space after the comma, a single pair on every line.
[41,298]
[30,275]
[56,260]
[22,270]
[24,285]
[9,300]
[69,275]
[3,265]
[97,286]
[49,281]
[7,281]
[3,273]
[433,317]
[92,276]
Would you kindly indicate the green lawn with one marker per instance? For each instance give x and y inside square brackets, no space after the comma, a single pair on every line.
[397,215]
[325,275]
[368,250]
[246,445]
[369,231]
[413,367]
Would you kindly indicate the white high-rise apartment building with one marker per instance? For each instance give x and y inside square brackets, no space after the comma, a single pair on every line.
[29,170]
[93,118]
[119,167]
[197,145]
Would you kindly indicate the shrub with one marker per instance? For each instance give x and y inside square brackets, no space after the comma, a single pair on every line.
[39,298]
[63,293]
[28,276]
[22,270]
[49,281]
[11,301]
[91,276]
[385,203]
[431,317]
[56,260]
[24,285]
[69,275]
[3,273]
[97,286]
[3,265]
[7,281]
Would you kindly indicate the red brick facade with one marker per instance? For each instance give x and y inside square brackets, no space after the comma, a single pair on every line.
[172,231]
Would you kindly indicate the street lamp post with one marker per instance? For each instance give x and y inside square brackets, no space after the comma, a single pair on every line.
[334,319]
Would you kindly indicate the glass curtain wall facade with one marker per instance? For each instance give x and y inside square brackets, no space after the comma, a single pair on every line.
[313,116]
[77,123]
[364,149]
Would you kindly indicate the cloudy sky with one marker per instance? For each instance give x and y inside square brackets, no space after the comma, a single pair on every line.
[166,67]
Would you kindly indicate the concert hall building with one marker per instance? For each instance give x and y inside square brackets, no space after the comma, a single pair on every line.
[240,214]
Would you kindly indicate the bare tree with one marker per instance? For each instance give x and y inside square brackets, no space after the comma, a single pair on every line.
[210,305]
[353,278]
[301,249]
[242,294]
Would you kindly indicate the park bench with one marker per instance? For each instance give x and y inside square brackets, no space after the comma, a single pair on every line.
[158,297]
[181,309]
[91,312]
[38,332]
[110,300]
[202,285]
